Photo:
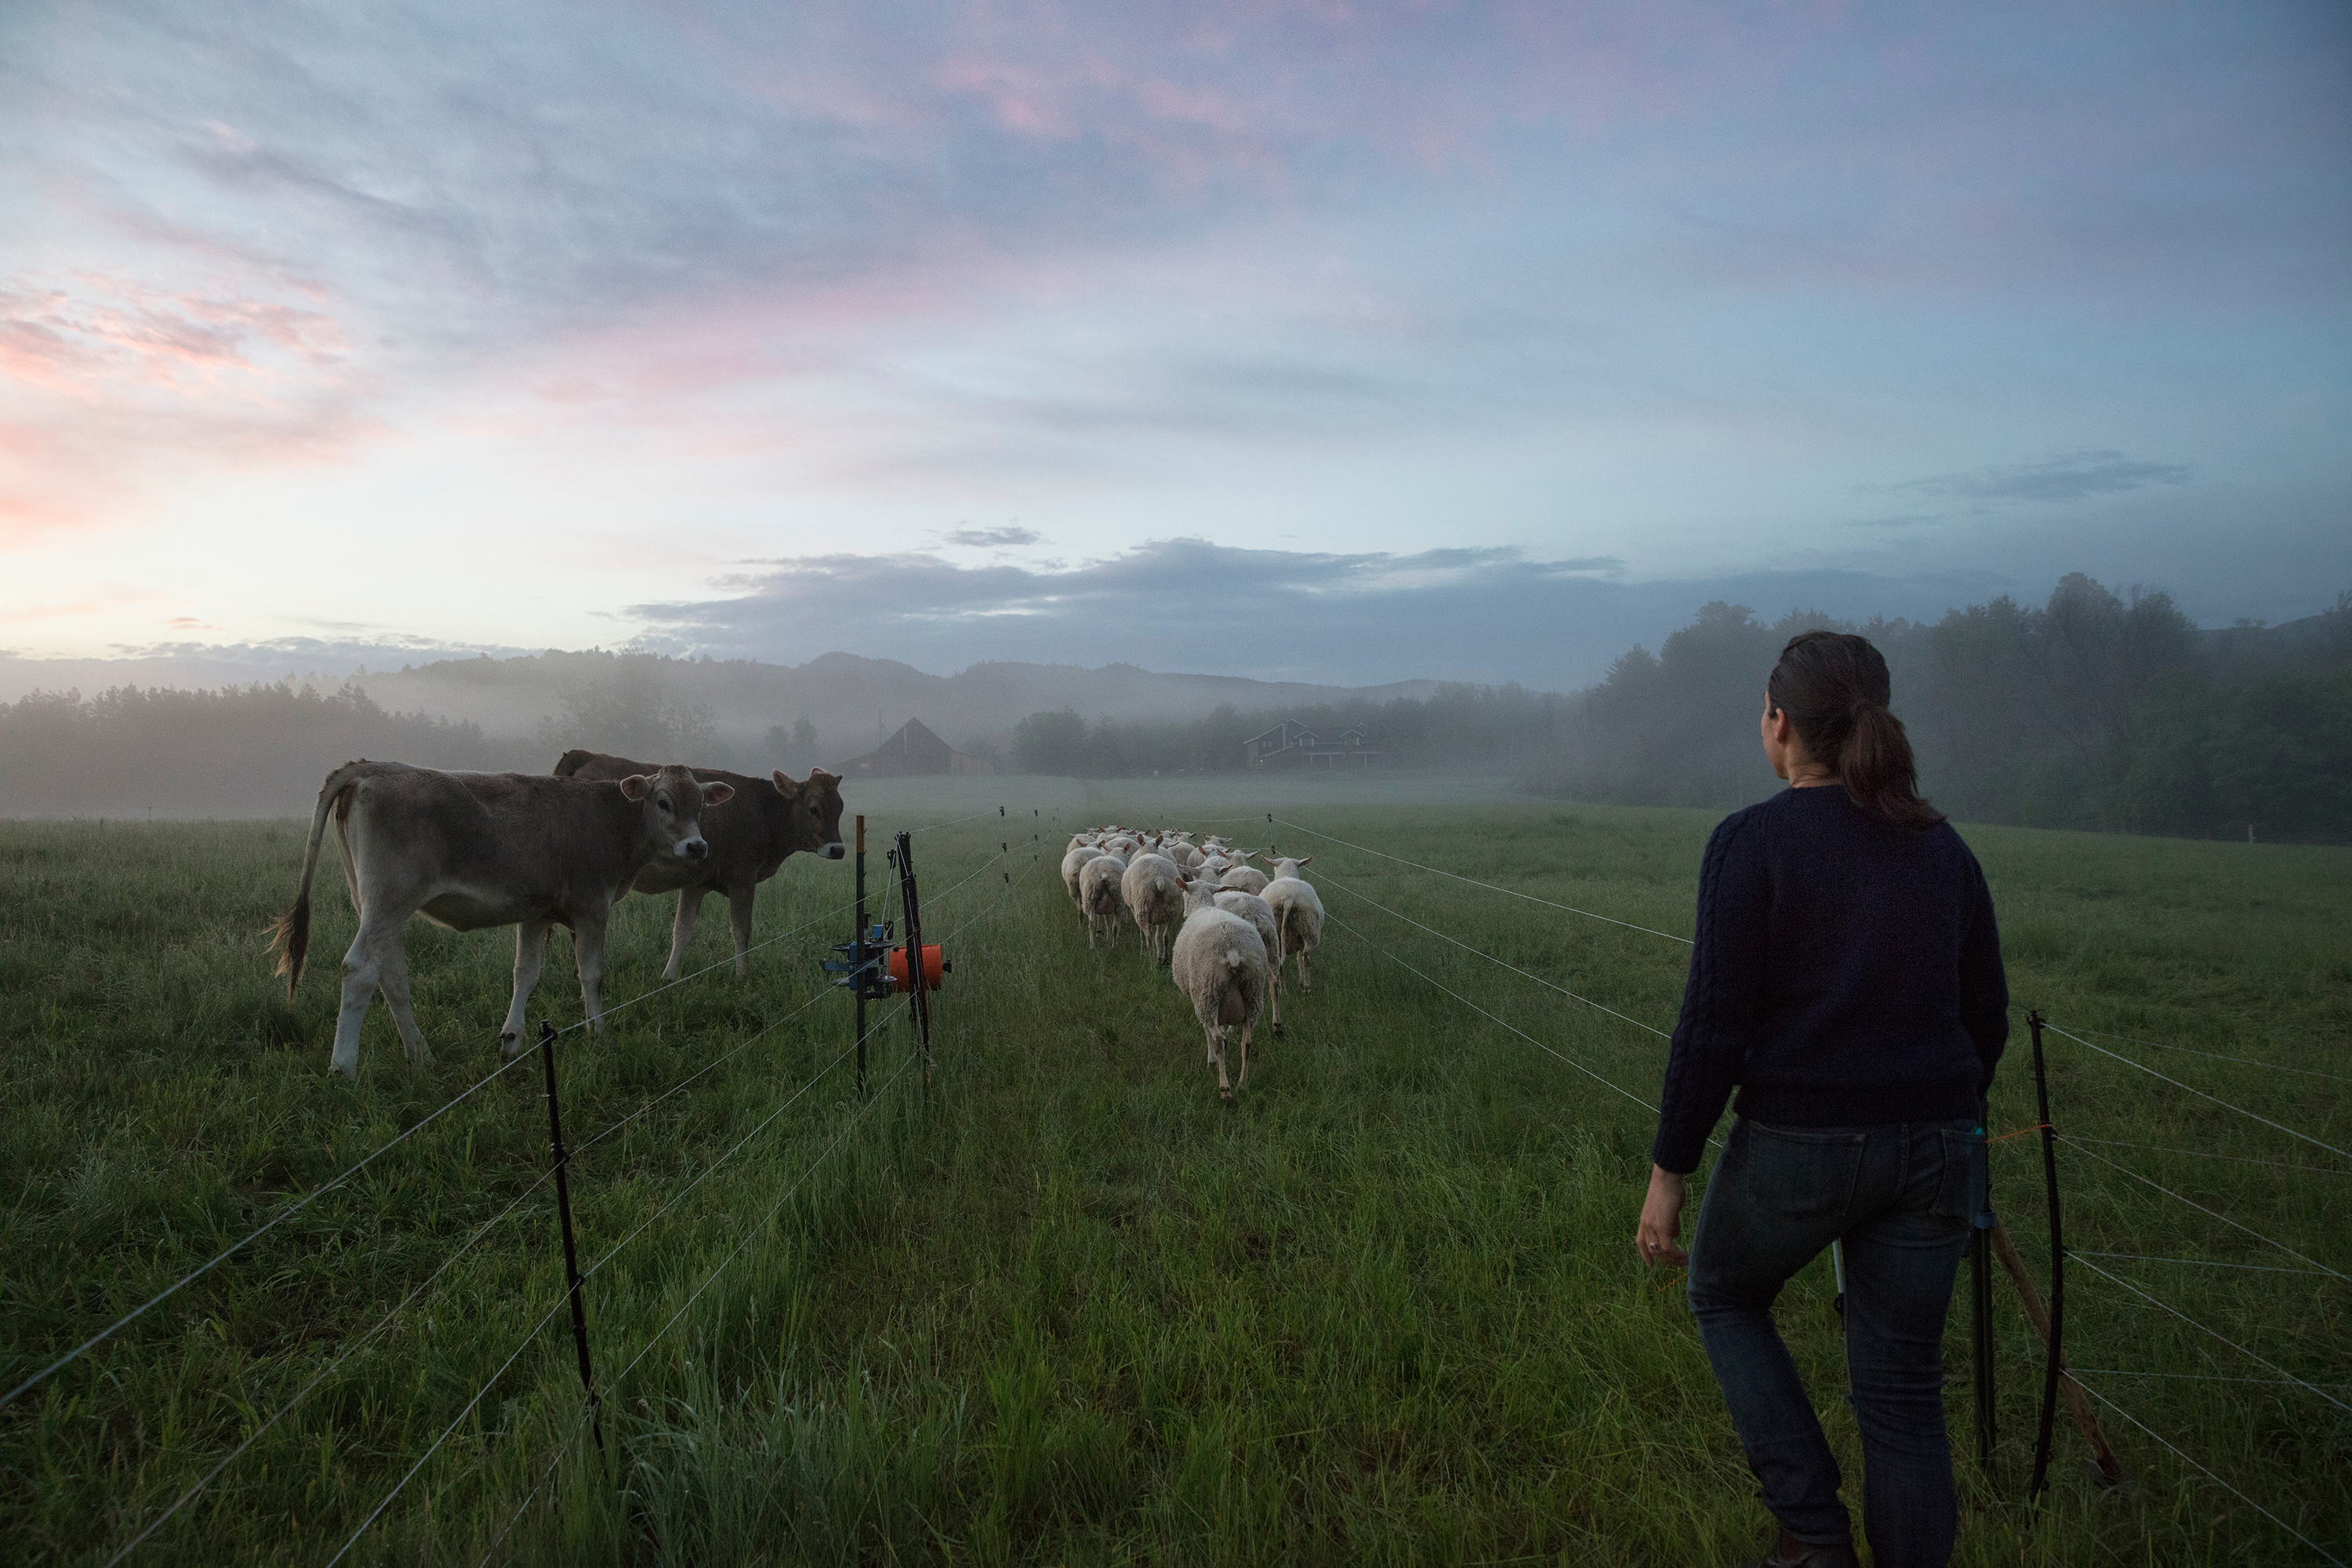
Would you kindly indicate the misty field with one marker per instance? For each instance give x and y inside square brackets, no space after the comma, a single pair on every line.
[1062,1305]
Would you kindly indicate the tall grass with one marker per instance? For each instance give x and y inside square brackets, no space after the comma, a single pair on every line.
[1061,1305]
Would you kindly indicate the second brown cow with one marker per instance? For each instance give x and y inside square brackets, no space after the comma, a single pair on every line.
[750,836]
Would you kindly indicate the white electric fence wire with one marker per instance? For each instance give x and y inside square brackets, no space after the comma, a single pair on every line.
[849,1126]
[1490,958]
[529,1337]
[350,1351]
[2210,1476]
[1482,1012]
[2340,1153]
[2209,1154]
[2187,1376]
[2215,1056]
[2216,1334]
[673,985]
[2200,1208]
[707,1069]
[936,899]
[2196,1262]
[285,1213]
[1491,886]
[975,816]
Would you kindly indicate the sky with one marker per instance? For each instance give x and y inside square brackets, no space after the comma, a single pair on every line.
[1331,341]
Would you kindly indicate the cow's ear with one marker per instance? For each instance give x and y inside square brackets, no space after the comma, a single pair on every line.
[717,792]
[786,785]
[635,786]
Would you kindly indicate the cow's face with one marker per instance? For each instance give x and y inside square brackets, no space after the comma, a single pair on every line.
[820,813]
[673,803]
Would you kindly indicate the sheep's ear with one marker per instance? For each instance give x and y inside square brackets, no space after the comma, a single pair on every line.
[1308,861]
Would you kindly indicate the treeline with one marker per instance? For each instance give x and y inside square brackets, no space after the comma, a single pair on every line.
[1455,725]
[2093,710]
[251,748]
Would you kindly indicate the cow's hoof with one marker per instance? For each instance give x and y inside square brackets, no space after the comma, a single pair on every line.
[510,1044]
[1225,1095]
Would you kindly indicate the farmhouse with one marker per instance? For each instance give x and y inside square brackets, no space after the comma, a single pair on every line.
[1293,744]
[914,750]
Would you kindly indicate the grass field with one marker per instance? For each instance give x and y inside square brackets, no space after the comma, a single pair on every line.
[1062,1305]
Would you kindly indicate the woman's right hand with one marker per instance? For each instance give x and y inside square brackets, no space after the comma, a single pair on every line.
[1661,1220]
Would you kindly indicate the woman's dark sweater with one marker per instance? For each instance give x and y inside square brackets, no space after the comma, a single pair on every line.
[1845,973]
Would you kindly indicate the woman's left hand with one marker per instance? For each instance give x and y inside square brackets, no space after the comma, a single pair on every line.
[1661,1220]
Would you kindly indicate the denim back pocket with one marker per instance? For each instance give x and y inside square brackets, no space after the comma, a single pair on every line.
[1801,1174]
[1962,1194]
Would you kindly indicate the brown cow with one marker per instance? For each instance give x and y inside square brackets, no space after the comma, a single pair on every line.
[471,850]
[769,818]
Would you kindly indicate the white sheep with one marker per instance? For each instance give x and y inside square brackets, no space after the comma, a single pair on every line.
[1072,864]
[1219,965]
[1246,878]
[1259,913]
[1098,895]
[1298,916]
[1154,889]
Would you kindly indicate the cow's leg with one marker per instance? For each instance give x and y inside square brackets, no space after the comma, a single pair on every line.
[740,903]
[362,970]
[392,979]
[588,946]
[681,929]
[531,948]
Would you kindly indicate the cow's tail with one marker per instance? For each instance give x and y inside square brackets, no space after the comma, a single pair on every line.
[572,761]
[290,935]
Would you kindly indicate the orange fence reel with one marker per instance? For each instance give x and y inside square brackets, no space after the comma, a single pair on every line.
[934,966]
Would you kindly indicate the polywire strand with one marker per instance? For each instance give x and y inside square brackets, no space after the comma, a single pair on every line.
[1491,886]
[2216,1334]
[284,1214]
[2216,1056]
[941,897]
[529,1337]
[1473,1007]
[2200,1208]
[1492,959]
[2210,1476]
[352,1350]
[673,985]
[2199,1093]
[2187,1376]
[777,1208]
[689,1080]
[2198,1262]
[582,1420]
[585,1276]
[934,826]
[2209,1154]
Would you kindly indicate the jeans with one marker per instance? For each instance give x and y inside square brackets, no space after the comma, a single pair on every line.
[1900,1197]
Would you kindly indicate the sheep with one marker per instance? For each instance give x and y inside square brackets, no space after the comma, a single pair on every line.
[1298,916]
[1220,964]
[1246,878]
[1184,855]
[1098,895]
[1072,864]
[1154,889]
[1259,913]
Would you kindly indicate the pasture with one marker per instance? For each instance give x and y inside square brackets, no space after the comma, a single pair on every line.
[1061,1305]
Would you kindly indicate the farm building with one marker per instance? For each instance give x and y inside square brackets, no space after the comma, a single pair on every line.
[914,750]
[1293,744]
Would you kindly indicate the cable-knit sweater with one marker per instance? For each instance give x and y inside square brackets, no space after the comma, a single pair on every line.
[1845,973]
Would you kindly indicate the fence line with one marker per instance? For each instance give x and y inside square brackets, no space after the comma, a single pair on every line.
[2195,1262]
[2340,1153]
[2210,1476]
[2216,1056]
[673,985]
[2209,1154]
[953,822]
[284,1214]
[2200,1208]
[2216,1334]
[1491,886]
[1492,959]
[1530,1040]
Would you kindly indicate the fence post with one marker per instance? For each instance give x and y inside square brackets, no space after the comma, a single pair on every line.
[2053,1353]
[918,996]
[857,959]
[563,1213]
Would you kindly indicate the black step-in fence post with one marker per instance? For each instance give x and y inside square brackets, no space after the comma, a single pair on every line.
[918,1001]
[2054,1357]
[1980,1301]
[858,960]
[563,1213]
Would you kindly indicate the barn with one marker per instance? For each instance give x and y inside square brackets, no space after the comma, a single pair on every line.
[1291,745]
[914,752]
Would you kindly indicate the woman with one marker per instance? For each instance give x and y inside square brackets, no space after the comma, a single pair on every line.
[1846,977]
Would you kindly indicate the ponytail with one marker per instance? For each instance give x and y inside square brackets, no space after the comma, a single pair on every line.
[1834,687]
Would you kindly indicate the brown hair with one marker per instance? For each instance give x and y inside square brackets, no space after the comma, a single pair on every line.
[1834,687]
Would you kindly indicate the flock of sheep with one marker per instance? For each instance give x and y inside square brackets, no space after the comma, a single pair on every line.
[1224,928]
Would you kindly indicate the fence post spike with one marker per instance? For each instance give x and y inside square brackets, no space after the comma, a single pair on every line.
[570,1248]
